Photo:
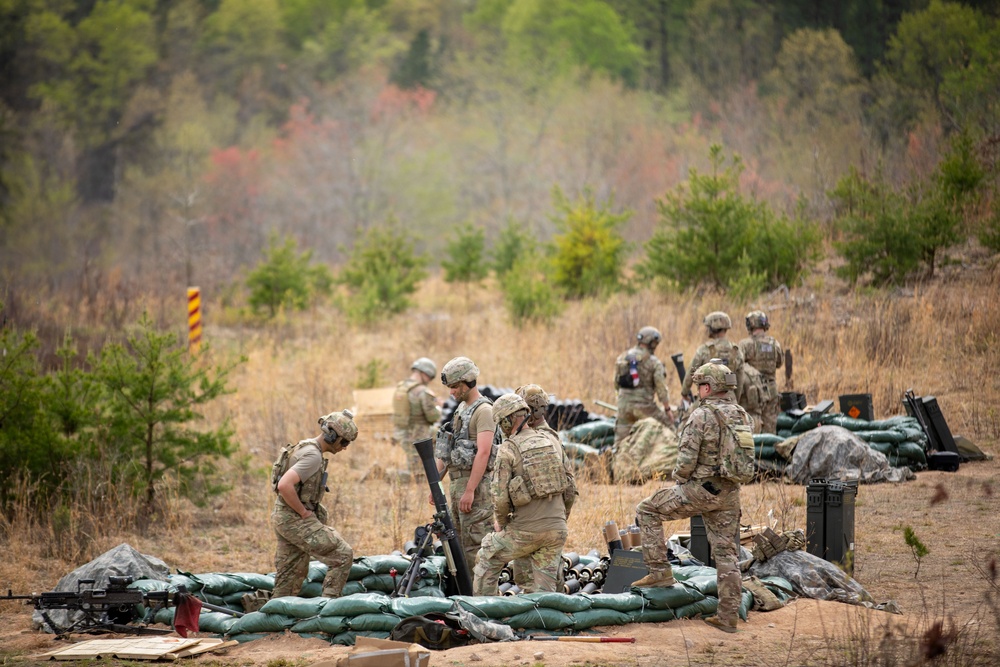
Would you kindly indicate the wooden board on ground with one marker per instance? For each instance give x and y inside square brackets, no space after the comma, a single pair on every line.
[373,402]
[138,648]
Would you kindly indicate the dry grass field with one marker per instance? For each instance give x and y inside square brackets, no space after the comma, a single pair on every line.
[942,339]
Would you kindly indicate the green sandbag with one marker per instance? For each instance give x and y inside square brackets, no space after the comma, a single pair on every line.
[579,451]
[685,572]
[373,622]
[912,451]
[381,582]
[560,601]
[384,564]
[893,436]
[248,637]
[706,584]
[541,618]
[766,452]
[149,585]
[650,615]
[705,607]
[295,607]
[785,421]
[355,605]
[405,607]
[494,606]
[780,586]
[211,599]
[433,567]
[331,625]
[351,588]
[427,592]
[317,571]
[186,580]
[585,433]
[235,600]
[806,423]
[257,621]
[766,439]
[215,621]
[851,424]
[165,616]
[221,584]
[616,601]
[260,582]
[746,602]
[670,598]
[348,638]
[360,569]
[583,620]
[311,589]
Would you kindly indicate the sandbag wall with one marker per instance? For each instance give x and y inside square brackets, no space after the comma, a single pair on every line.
[341,620]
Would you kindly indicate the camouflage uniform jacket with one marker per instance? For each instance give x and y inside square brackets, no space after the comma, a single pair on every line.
[764,353]
[509,465]
[414,410]
[652,378]
[716,348]
[701,439]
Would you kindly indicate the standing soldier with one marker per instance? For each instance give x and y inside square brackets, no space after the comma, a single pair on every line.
[466,451]
[716,347]
[715,456]
[764,353]
[414,411]
[640,378]
[531,493]
[299,519]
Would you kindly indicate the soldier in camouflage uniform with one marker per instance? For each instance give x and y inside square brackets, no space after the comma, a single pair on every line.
[716,347]
[640,378]
[414,412]
[764,353]
[299,478]
[466,451]
[700,490]
[532,493]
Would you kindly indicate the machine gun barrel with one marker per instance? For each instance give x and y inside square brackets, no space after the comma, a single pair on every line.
[448,535]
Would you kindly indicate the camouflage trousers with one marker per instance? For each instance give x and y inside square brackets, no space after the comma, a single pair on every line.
[769,414]
[299,541]
[543,551]
[722,517]
[471,526]
[523,572]
[630,412]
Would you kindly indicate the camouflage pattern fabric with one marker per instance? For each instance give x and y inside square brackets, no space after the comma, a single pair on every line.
[414,413]
[715,348]
[542,549]
[649,452]
[833,452]
[698,453]
[640,402]
[299,541]
[473,526]
[764,353]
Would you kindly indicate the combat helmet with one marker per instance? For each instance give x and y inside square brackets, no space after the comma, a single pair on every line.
[339,424]
[459,369]
[506,406]
[650,336]
[425,366]
[757,319]
[716,375]
[718,321]
[535,398]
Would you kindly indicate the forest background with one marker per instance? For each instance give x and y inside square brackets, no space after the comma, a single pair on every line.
[570,164]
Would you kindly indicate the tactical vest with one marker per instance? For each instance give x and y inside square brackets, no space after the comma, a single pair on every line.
[463,450]
[402,405]
[763,355]
[730,456]
[538,469]
[722,349]
[311,490]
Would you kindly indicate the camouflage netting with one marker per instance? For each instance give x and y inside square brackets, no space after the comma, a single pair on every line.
[375,614]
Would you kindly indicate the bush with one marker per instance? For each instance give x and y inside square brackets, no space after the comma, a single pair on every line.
[589,253]
[513,242]
[529,293]
[285,279]
[382,272]
[465,256]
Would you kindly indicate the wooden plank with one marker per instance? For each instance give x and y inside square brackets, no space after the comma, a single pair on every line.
[145,648]
[205,646]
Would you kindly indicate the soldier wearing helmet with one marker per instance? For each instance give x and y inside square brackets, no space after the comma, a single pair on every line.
[703,487]
[532,490]
[414,412]
[763,352]
[465,449]
[640,378]
[717,324]
[299,478]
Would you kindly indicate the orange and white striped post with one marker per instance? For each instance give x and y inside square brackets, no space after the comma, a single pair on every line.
[194,319]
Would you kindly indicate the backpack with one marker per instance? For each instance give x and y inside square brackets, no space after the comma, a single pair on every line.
[433,630]
[736,450]
[628,371]
[755,391]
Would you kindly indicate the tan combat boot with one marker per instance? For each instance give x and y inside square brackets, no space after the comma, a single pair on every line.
[656,579]
[717,622]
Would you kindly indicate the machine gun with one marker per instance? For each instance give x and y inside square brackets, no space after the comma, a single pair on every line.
[113,609]
[459,581]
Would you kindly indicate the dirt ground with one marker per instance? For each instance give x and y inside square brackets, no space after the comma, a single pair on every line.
[955,515]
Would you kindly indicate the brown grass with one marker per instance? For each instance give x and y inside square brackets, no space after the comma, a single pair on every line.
[939,339]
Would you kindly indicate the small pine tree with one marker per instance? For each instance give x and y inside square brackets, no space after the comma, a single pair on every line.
[513,242]
[286,279]
[588,254]
[529,293]
[465,256]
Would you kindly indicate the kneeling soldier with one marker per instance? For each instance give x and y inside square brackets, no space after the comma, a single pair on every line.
[531,489]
